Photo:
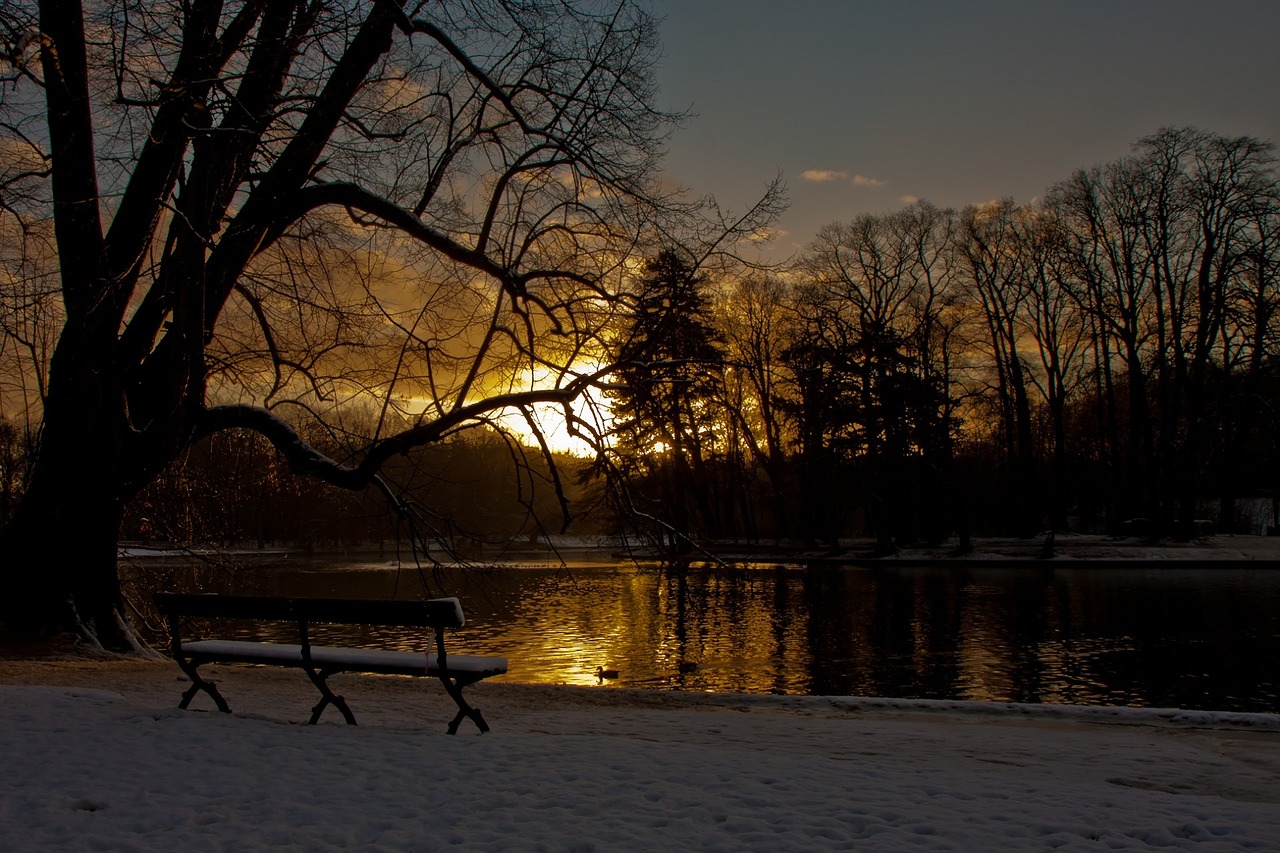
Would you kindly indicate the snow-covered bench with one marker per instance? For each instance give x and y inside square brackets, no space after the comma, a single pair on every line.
[319,662]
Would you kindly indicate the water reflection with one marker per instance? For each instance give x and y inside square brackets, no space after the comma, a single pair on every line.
[1195,638]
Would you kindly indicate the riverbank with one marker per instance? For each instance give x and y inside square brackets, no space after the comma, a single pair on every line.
[98,757]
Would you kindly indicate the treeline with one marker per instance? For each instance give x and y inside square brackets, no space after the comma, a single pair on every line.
[479,488]
[1102,359]
[233,489]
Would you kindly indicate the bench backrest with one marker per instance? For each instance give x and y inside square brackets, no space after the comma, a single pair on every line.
[436,613]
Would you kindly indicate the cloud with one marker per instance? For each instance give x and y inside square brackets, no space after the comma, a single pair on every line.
[764,235]
[908,199]
[825,176]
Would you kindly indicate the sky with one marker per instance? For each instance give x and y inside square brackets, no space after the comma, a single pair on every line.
[865,106]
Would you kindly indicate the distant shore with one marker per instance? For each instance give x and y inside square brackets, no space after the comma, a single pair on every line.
[1065,551]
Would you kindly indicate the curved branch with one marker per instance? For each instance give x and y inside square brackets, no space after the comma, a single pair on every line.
[264,325]
[353,196]
[303,458]
[409,27]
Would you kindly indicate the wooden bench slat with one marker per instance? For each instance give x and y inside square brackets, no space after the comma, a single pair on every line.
[441,612]
[391,661]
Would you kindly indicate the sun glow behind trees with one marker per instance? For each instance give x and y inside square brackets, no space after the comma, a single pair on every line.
[580,427]
[504,156]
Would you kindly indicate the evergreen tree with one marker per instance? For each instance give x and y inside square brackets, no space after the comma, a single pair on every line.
[670,359]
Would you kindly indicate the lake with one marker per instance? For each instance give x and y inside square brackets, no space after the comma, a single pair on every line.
[1203,637]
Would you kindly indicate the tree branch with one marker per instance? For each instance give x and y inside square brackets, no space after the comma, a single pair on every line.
[355,197]
[306,459]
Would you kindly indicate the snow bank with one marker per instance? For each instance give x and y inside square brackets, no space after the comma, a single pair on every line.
[92,769]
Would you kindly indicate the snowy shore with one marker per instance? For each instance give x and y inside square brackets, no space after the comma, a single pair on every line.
[99,758]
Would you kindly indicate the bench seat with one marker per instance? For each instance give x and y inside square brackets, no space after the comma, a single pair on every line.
[382,661]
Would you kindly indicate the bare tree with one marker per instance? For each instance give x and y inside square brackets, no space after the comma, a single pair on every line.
[1103,208]
[875,315]
[265,210]
[756,321]
[1056,324]
[1216,187]
[1160,241]
[989,245]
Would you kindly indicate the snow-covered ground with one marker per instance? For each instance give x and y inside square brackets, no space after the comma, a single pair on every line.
[97,757]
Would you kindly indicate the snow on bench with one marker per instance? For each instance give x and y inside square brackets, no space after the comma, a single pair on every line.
[319,662]
[383,661]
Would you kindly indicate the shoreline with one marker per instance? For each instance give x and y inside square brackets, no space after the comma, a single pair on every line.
[159,681]
[1072,552]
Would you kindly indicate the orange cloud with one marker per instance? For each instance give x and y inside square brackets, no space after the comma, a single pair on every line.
[823,175]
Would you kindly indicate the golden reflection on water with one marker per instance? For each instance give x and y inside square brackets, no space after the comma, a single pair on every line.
[984,651]
[656,629]
[997,635]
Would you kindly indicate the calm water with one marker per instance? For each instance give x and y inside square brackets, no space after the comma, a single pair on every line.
[1165,637]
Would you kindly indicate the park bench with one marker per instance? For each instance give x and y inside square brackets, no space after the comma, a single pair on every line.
[319,662]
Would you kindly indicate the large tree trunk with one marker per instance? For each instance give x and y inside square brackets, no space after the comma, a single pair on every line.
[61,544]
[61,548]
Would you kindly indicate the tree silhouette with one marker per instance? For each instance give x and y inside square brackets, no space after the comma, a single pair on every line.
[871,365]
[669,357]
[265,211]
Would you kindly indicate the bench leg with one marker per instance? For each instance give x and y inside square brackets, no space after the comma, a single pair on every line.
[454,689]
[199,683]
[474,714]
[328,698]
